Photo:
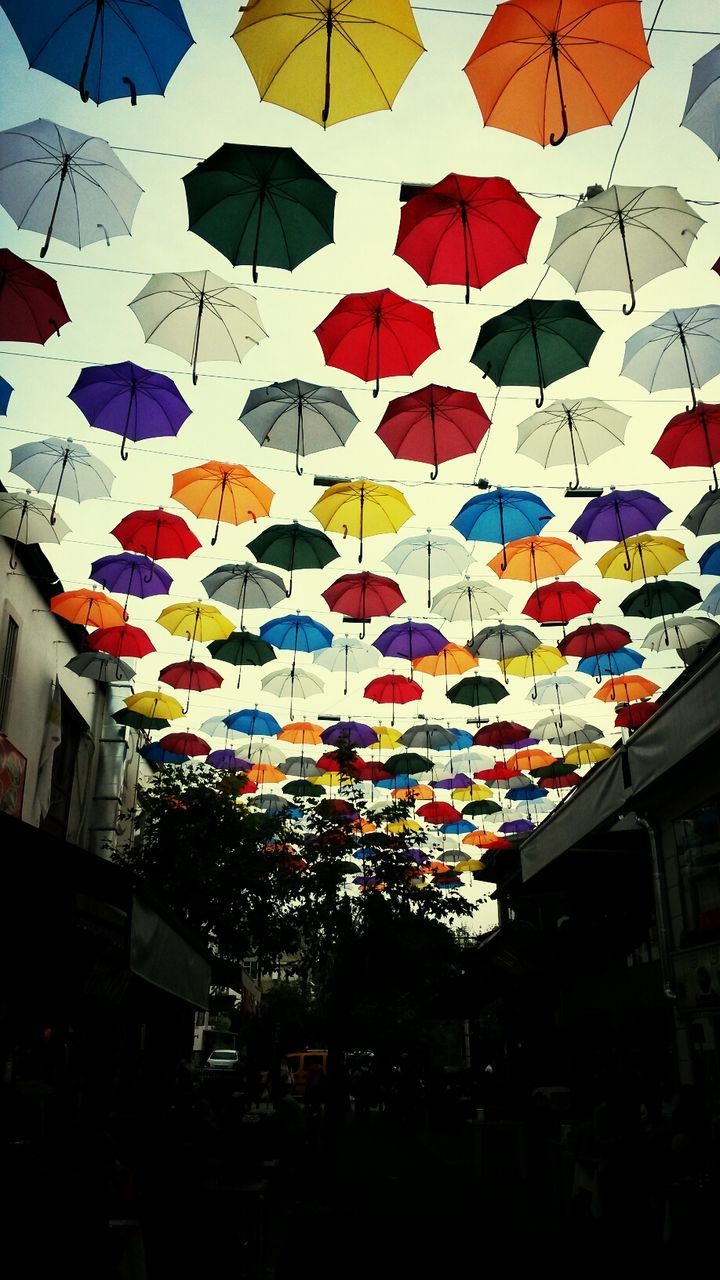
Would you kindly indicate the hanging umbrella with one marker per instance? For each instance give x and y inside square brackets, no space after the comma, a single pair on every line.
[481,808]
[433,425]
[242,649]
[592,640]
[187,744]
[501,733]
[363,595]
[632,717]
[692,439]
[622,238]
[377,335]
[680,633]
[545,659]
[293,546]
[102,667]
[557,603]
[535,343]
[465,230]
[477,691]
[502,642]
[527,758]
[65,184]
[153,704]
[193,676]
[260,205]
[618,514]
[26,519]
[544,70]
[121,641]
[110,49]
[31,308]
[396,690]
[452,660]
[61,467]
[427,555]
[351,732]
[626,689]
[131,575]
[298,417]
[711,603]
[289,682]
[681,348]
[710,560]
[326,61]
[5,393]
[361,509]
[156,534]
[296,631]
[227,760]
[704,518]
[572,431]
[196,622]
[302,787]
[613,663]
[407,763]
[222,491]
[562,729]
[587,753]
[438,813]
[387,737]
[528,559]
[559,690]
[702,109]
[199,316]
[501,515]
[470,600]
[660,599]
[432,737]
[88,608]
[345,654]
[253,722]
[642,557]
[409,640]
[134,403]
[262,752]
[244,586]
[302,732]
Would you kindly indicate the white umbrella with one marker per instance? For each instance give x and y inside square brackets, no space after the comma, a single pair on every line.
[681,347]
[289,682]
[299,417]
[26,519]
[426,555]
[557,690]
[572,431]
[198,316]
[681,632]
[61,467]
[260,752]
[565,730]
[346,654]
[65,184]
[470,600]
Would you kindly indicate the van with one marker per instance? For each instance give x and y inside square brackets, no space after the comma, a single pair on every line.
[306,1065]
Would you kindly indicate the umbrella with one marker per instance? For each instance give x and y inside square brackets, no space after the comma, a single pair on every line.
[682,346]
[438,813]
[622,238]
[484,808]
[326,61]
[710,560]
[704,518]
[559,690]
[517,827]
[572,431]
[352,733]
[692,439]
[222,491]
[377,335]
[242,649]
[345,654]
[252,722]
[501,515]
[433,737]
[131,575]
[244,586]
[288,682]
[527,559]
[557,603]
[616,515]
[199,316]
[641,557]
[626,689]
[155,754]
[293,546]
[397,690]
[88,608]
[302,732]
[193,676]
[361,509]
[544,70]
[360,596]
[465,230]
[632,717]
[659,599]
[65,184]
[470,600]
[299,417]
[296,631]
[711,603]
[702,109]
[535,343]
[452,660]
[261,752]
[105,50]
[430,553]
[28,520]
[477,691]
[153,704]
[528,758]
[545,659]
[387,737]
[260,205]
[587,753]
[433,425]
[102,667]
[680,633]
[188,744]
[592,640]
[121,641]
[409,640]
[5,393]
[195,621]
[562,729]
[502,642]
[132,402]
[301,787]
[61,467]
[407,763]
[31,308]
[613,663]
[502,733]
[156,534]
[226,759]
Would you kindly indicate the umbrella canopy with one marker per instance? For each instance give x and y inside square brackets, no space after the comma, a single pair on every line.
[660,599]
[501,733]
[296,631]
[477,691]
[351,732]
[377,335]
[501,515]
[452,660]
[632,717]
[242,649]
[196,622]
[106,50]
[545,659]
[528,559]
[121,641]
[704,518]
[153,704]
[5,393]
[329,62]
[702,109]
[710,559]
[557,603]
[244,586]
[501,642]
[361,509]
[622,238]
[587,753]
[470,600]
[562,729]
[156,534]
[253,722]
[642,557]
[572,431]
[260,206]
[222,491]
[406,763]
[298,417]
[433,425]
[261,752]
[681,348]
[293,546]
[134,403]
[346,654]
[289,682]
[426,555]
[393,689]
[27,520]
[592,640]
[302,732]
[618,514]
[187,744]
[711,603]
[431,737]
[626,689]
[438,813]
[559,690]
[88,608]
[131,575]
[199,316]
[692,439]
[224,758]
[363,595]
[465,230]
[102,667]
[547,68]
[535,343]
[409,640]
[155,754]
[63,468]
[680,633]
[65,184]
[31,308]
[192,676]
[613,663]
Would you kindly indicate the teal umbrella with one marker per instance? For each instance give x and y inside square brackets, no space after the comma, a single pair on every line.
[260,205]
[535,343]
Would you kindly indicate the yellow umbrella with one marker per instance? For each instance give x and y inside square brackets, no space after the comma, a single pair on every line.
[325,779]
[387,738]
[361,509]
[195,621]
[303,732]
[470,864]
[476,791]
[154,704]
[587,753]
[326,60]
[644,556]
[543,661]
[404,824]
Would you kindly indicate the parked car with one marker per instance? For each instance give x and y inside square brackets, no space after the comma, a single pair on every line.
[223,1060]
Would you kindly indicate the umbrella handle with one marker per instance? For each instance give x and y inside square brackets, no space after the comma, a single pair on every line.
[85,92]
[133,91]
[329,31]
[555,142]
[628,309]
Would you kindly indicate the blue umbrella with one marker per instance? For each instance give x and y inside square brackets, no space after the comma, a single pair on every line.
[527,793]
[711,603]
[501,515]
[156,754]
[459,828]
[710,560]
[298,632]
[611,664]
[401,782]
[252,722]
[104,48]
[5,393]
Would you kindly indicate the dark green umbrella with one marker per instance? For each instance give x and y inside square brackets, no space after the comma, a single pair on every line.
[485,807]
[133,720]
[242,649]
[260,205]
[293,546]
[477,691]
[410,762]
[535,343]
[302,787]
[660,599]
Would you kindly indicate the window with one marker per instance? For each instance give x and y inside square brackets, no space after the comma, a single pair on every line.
[7,667]
[697,839]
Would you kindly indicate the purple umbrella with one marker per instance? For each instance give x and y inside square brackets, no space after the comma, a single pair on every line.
[224,758]
[617,516]
[518,826]
[132,574]
[410,640]
[358,735]
[457,780]
[135,403]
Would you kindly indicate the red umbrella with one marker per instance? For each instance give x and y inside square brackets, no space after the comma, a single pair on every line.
[503,733]
[157,535]
[377,335]
[364,595]
[592,640]
[563,780]
[371,771]
[185,744]
[121,642]
[329,762]
[692,439]
[632,717]
[500,772]
[191,676]
[393,689]
[557,603]
[465,230]
[31,308]
[433,425]
[439,812]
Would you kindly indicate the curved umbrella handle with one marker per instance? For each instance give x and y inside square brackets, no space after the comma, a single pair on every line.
[84,91]
[133,91]
[627,310]
[555,141]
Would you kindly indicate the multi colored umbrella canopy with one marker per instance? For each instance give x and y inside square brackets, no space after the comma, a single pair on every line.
[134,403]
[433,425]
[61,467]
[361,509]
[299,417]
[572,431]
[222,491]
[535,343]
[377,335]
[31,308]
[692,439]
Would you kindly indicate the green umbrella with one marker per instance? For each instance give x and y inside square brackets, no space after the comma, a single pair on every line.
[293,546]
[410,762]
[242,649]
[660,599]
[476,807]
[535,343]
[477,691]
[134,720]
[260,205]
[302,787]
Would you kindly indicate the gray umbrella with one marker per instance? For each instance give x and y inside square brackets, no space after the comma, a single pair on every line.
[428,737]
[103,667]
[298,417]
[65,184]
[244,586]
[301,767]
[702,109]
[502,642]
[565,730]
[680,347]
[61,467]
[705,515]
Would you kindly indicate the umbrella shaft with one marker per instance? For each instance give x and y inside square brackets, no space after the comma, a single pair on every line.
[88,54]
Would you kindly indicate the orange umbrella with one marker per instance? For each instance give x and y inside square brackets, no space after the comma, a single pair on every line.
[421,792]
[483,839]
[222,491]
[547,68]
[528,559]
[626,689]
[301,731]
[265,773]
[452,660]
[88,608]
[530,758]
